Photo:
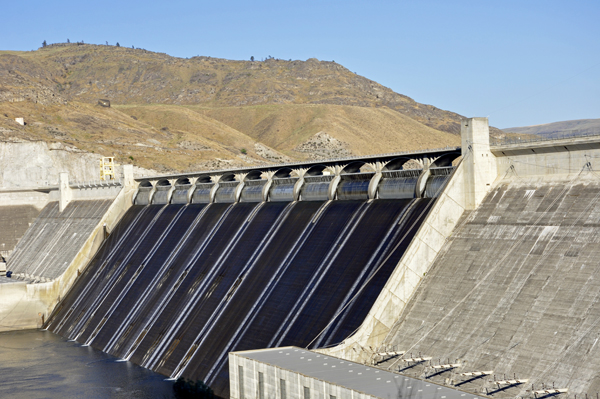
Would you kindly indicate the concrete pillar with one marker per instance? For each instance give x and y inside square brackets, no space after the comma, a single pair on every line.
[422,180]
[128,176]
[299,183]
[65,191]
[333,185]
[241,177]
[267,186]
[374,184]
[192,189]
[213,192]
[479,163]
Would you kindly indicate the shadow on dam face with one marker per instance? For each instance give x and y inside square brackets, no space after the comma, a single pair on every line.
[176,287]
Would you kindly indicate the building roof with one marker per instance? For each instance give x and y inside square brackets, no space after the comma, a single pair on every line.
[355,376]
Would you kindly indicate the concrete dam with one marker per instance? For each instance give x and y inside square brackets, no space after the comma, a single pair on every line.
[195,271]
[463,272]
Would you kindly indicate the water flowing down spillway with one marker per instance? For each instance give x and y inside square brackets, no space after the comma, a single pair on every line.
[176,287]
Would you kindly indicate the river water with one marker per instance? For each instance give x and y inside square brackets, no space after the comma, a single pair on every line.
[39,364]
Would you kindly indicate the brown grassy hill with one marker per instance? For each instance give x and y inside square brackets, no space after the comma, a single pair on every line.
[285,128]
[124,75]
[172,114]
[107,131]
[365,130]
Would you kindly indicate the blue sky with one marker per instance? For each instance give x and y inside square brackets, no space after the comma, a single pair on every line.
[517,62]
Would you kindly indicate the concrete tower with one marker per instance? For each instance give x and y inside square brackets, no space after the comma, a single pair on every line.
[479,163]
[66,194]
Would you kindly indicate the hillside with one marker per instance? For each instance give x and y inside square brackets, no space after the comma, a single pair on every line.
[574,127]
[124,75]
[285,128]
[107,131]
[173,114]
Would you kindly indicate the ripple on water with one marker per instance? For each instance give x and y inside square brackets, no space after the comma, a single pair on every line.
[39,364]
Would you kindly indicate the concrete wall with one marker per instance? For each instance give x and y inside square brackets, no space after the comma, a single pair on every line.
[516,290]
[548,159]
[21,305]
[25,305]
[19,197]
[54,239]
[14,222]
[20,207]
[37,164]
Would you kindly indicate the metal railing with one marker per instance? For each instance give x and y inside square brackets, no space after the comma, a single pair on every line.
[97,183]
[300,164]
[86,184]
[571,134]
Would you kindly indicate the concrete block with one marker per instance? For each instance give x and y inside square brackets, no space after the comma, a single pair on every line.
[128,180]
[65,191]
[480,164]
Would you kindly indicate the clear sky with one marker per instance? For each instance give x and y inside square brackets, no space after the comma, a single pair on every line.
[518,62]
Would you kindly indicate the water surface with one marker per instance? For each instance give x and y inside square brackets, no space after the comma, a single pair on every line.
[40,364]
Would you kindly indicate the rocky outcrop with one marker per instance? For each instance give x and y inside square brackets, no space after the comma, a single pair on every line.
[270,154]
[322,145]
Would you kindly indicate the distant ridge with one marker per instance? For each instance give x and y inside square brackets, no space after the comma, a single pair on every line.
[563,128]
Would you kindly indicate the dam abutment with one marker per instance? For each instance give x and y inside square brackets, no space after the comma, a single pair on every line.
[57,248]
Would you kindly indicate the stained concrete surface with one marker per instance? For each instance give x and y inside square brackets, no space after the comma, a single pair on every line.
[54,239]
[14,222]
[516,290]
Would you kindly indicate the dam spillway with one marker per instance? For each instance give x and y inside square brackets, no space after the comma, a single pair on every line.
[175,287]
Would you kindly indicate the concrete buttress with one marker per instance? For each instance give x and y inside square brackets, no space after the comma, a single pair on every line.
[479,163]
[66,194]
